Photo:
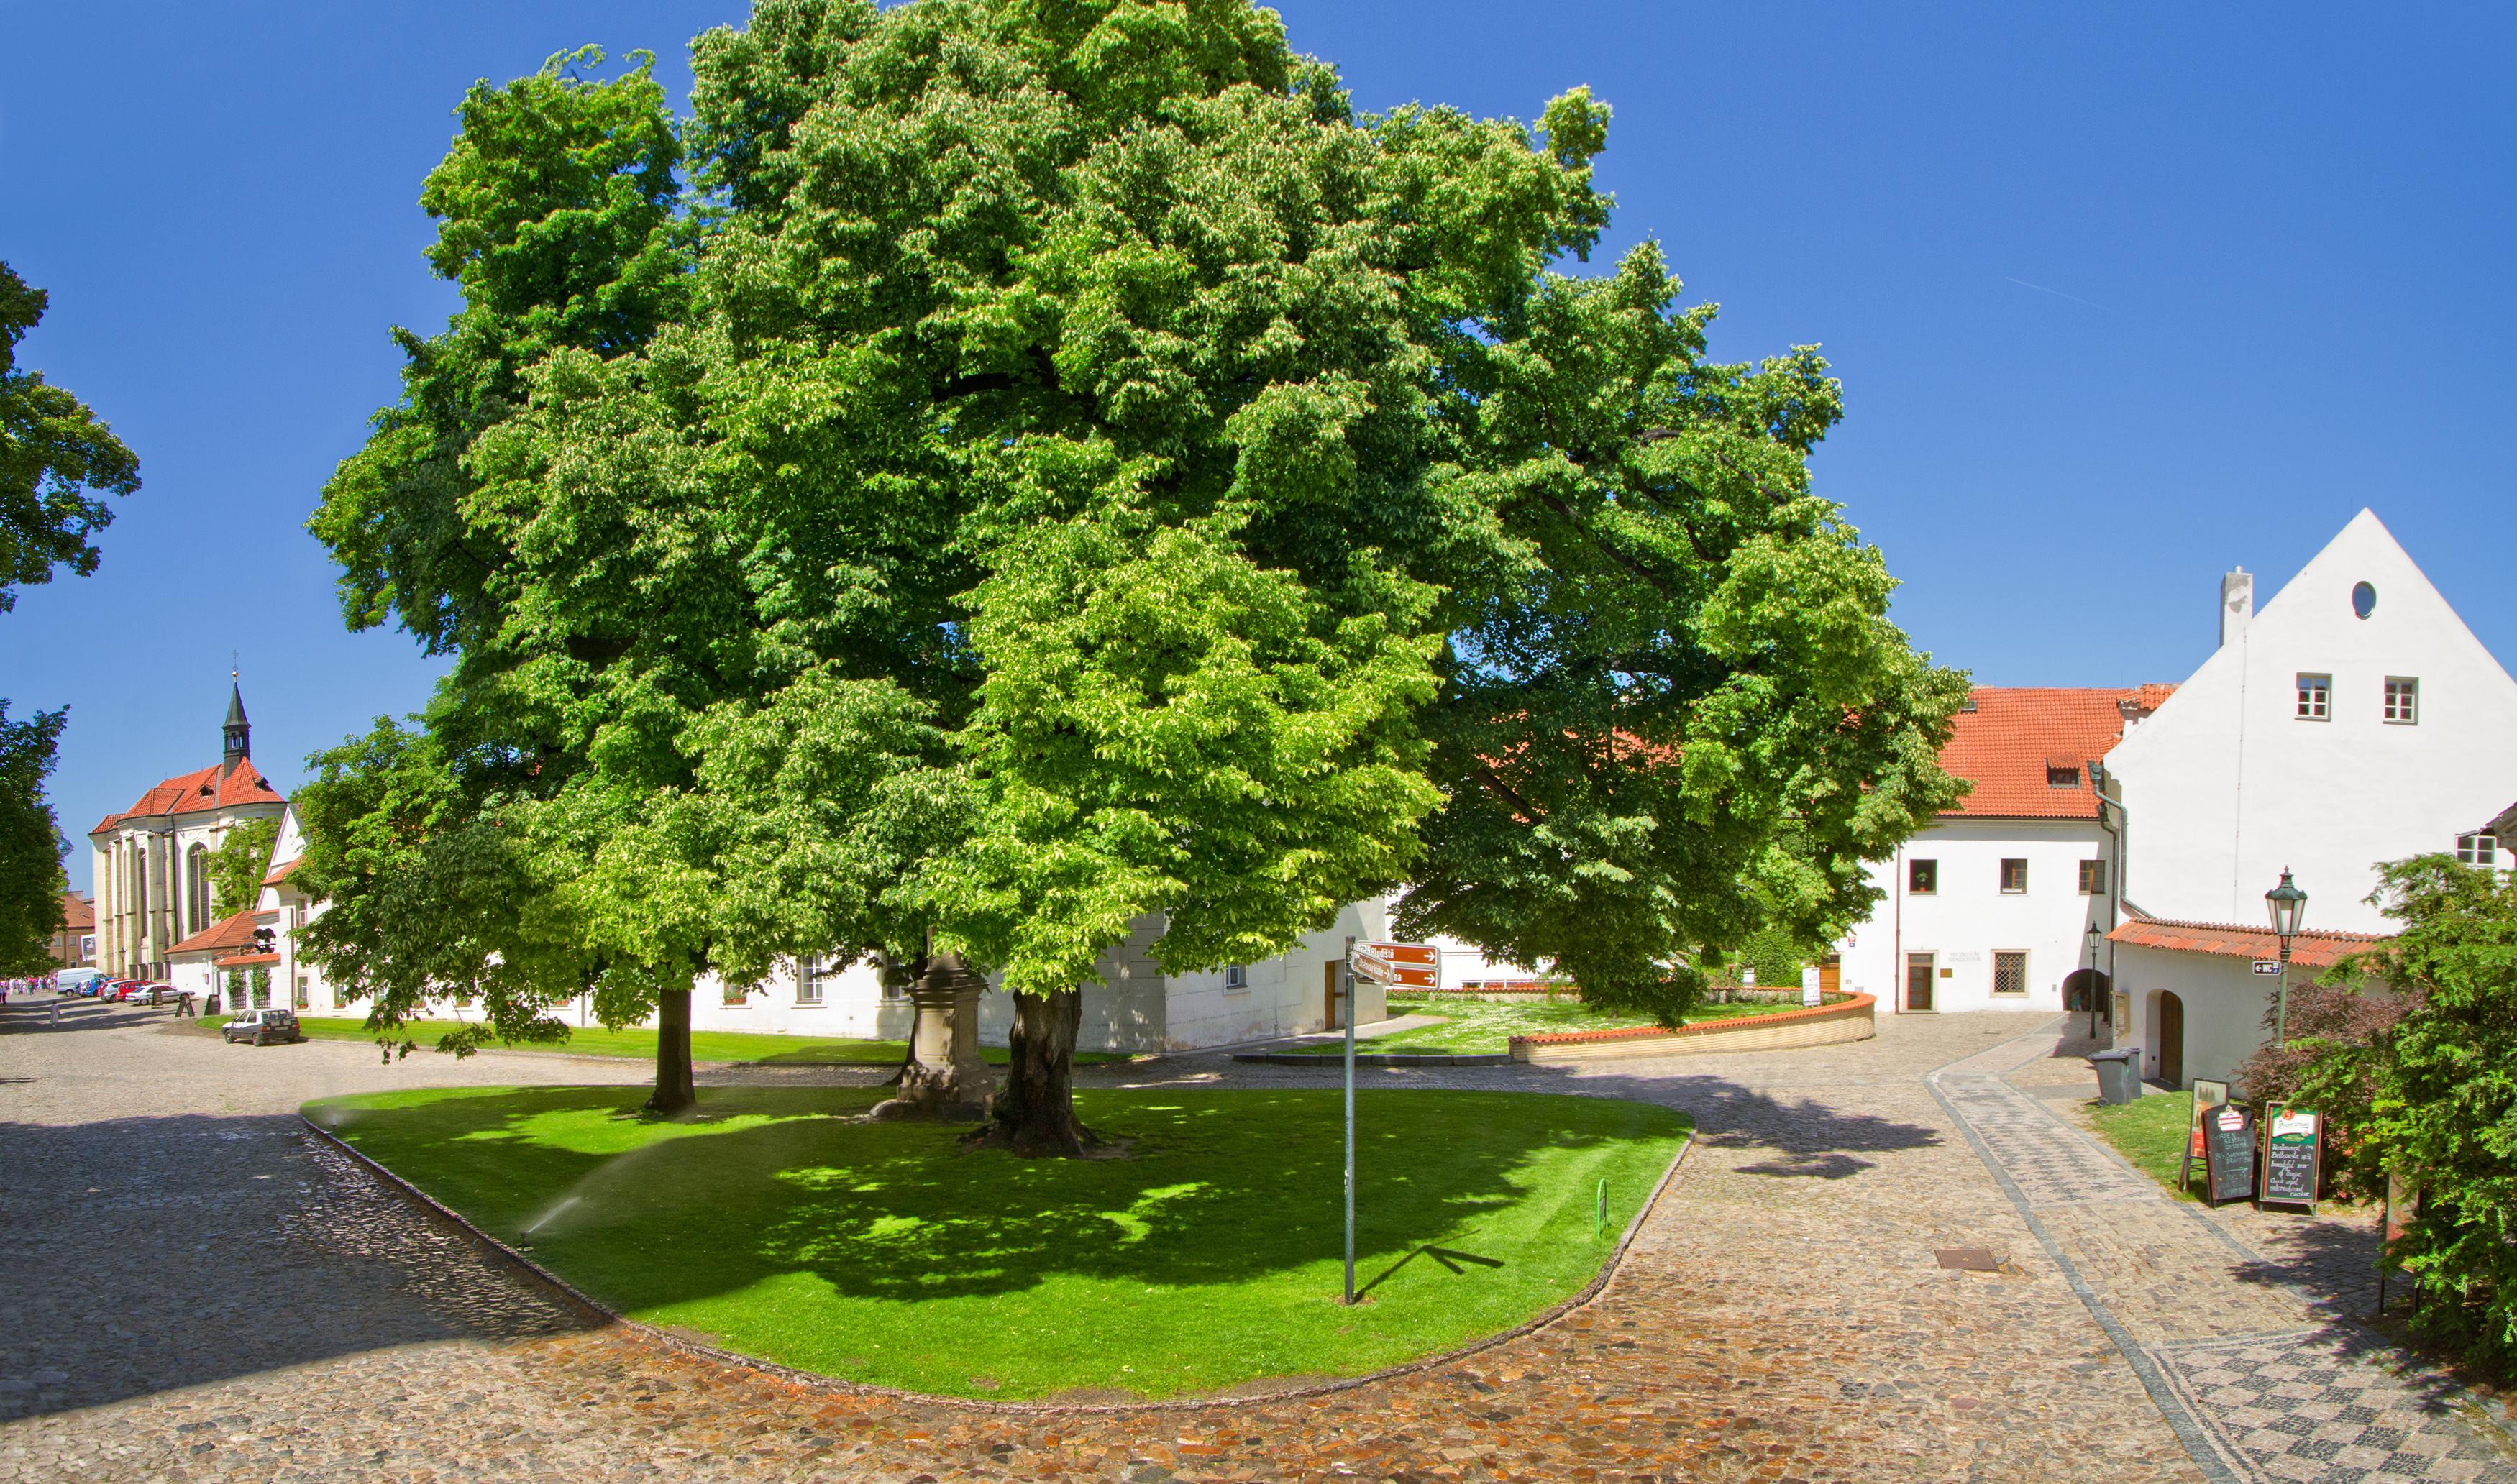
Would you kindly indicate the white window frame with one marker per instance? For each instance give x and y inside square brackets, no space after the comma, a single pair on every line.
[1236,976]
[2096,870]
[2315,696]
[2480,848]
[2402,706]
[808,983]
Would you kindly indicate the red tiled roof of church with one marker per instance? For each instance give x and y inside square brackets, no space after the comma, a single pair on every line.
[198,793]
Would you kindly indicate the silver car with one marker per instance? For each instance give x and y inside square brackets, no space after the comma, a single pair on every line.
[263,1027]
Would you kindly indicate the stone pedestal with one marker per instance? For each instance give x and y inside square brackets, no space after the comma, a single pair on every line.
[944,1078]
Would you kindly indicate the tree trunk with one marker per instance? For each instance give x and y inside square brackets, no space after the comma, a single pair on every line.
[674,1091]
[1034,1111]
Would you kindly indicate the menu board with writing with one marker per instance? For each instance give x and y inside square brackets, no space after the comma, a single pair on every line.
[2207,1095]
[2229,1153]
[2293,1146]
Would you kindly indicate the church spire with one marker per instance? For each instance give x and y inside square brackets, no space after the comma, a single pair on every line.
[239,732]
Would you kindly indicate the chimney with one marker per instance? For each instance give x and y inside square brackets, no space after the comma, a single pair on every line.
[2236,602]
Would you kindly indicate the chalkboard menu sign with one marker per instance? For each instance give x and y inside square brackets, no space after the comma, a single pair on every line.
[2229,1152]
[2293,1149]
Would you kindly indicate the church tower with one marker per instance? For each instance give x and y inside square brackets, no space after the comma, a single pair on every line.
[239,733]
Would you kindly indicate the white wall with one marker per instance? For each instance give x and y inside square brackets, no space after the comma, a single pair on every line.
[2224,1002]
[1970,919]
[2225,785]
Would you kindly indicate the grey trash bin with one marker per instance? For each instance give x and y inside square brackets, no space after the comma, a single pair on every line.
[2118,1074]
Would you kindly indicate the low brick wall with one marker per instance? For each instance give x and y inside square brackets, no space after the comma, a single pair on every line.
[1849,1019]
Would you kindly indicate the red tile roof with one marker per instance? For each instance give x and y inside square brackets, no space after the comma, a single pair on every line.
[2307,951]
[241,960]
[2013,734]
[231,932]
[78,912]
[281,871]
[199,792]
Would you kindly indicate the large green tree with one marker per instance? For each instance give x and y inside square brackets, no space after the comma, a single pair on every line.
[56,458]
[1065,465]
[31,881]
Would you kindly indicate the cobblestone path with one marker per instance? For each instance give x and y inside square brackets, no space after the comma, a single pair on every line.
[2254,1360]
[201,1292]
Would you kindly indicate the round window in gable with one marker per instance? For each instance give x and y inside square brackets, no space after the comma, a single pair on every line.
[2363,599]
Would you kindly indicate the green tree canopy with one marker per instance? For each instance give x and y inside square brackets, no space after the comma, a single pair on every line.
[239,865]
[56,457]
[31,881]
[1061,463]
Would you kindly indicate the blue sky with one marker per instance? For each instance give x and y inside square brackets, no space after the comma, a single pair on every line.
[2122,297]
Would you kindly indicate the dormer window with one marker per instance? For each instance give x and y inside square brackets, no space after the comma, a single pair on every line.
[2062,778]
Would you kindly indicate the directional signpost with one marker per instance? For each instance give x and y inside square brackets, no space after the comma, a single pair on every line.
[1371,962]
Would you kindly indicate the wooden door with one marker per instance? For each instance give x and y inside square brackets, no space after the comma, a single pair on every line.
[1330,1020]
[2171,1039]
[1918,981]
[1830,976]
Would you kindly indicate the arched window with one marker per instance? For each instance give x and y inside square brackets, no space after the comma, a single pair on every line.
[197,864]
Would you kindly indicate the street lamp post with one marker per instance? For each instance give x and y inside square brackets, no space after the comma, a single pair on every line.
[2092,987]
[2287,903]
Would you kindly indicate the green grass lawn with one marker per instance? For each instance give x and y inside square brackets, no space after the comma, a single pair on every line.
[1205,1256]
[2149,1131]
[1478,1027]
[705,1046]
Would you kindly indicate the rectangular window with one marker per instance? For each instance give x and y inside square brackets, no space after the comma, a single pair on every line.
[302,999]
[2013,875]
[2062,778]
[2478,849]
[809,974]
[1236,976]
[1922,877]
[733,995]
[2093,878]
[2403,699]
[2315,698]
[2010,973]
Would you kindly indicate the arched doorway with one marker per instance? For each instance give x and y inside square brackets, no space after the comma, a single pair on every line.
[2085,990]
[2171,1039]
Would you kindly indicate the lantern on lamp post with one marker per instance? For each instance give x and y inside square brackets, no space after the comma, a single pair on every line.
[2288,904]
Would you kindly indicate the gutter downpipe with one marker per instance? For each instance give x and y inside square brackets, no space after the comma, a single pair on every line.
[2099,776]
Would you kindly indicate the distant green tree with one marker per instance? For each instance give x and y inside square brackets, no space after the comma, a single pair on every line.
[31,851]
[239,865]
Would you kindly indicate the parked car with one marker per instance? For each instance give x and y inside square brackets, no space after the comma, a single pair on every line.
[152,994]
[118,989]
[263,1027]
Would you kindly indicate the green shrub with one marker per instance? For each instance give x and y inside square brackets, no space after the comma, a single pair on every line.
[2442,1093]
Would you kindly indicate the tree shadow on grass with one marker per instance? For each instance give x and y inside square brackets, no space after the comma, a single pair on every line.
[1219,1186]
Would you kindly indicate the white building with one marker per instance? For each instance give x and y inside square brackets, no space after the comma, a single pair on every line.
[1138,1008]
[151,860]
[2351,721]
[1990,907]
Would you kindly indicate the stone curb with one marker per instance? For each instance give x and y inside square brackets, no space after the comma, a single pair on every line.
[603,1315]
[1378,1059]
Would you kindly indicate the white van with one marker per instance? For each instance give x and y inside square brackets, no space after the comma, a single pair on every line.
[80,981]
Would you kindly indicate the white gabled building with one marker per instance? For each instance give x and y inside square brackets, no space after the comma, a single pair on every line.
[1989,908]
[2350,721]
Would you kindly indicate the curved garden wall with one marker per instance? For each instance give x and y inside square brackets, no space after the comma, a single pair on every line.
[1848,1018]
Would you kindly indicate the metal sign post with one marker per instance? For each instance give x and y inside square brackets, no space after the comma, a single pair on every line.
[1347,986]
[1373,961]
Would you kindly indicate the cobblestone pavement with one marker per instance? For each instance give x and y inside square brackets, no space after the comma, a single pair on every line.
[2241,1323]
[204,1294]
